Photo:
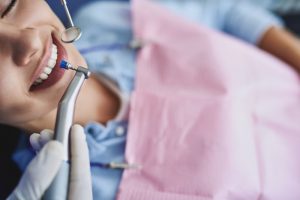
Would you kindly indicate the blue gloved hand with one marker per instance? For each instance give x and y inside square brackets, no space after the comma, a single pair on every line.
[43,168]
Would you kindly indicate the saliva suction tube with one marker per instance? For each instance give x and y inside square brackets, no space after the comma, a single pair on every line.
[58,190]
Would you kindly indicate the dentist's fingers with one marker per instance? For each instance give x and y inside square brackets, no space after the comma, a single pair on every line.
[37,141]
[80,179]
[46,136]
[34,141]
[40,172]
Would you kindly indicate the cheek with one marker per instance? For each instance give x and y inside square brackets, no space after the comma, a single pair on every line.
[25,110]
[27,11]
[14,110]
[75,57]
[17,106]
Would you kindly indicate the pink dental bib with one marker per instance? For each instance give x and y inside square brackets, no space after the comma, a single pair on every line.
[211,118]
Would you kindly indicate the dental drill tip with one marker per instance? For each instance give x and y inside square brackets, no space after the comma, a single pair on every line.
[64,64]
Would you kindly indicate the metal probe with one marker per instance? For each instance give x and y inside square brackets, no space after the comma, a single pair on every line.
[58,190]
[72,33]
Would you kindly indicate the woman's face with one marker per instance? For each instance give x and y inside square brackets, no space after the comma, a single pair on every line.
[31,82]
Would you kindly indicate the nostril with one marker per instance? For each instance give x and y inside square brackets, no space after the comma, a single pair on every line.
[24,54]
[27,46]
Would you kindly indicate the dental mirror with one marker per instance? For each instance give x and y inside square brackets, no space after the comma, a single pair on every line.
[71,34]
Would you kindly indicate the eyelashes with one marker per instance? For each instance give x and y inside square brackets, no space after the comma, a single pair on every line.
[9,8]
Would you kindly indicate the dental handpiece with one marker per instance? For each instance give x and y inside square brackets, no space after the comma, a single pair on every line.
[58,190]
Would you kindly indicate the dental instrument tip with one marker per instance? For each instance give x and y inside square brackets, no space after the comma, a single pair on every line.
[66,65]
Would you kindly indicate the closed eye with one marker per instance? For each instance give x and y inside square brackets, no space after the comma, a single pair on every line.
[10,6]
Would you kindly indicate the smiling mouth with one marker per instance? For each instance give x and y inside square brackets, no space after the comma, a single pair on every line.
[50,73]
[48,69]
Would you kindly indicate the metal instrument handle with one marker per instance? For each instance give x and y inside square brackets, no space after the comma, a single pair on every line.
[58,189]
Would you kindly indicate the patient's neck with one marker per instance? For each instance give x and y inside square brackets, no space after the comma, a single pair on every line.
[96,102]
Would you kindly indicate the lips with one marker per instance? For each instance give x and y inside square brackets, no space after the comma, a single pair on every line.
[57,73]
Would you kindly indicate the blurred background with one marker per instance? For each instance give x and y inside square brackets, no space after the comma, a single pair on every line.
[288,10]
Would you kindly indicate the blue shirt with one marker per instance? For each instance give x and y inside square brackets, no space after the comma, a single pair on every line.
[280,6]
[238,18]
[107,32]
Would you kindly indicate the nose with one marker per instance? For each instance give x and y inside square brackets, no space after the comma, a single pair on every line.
[20,44]
[26,46]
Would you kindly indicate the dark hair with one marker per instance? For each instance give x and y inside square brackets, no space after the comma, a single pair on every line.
[9,172]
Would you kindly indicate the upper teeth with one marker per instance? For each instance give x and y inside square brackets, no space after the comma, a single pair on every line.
[48,69]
